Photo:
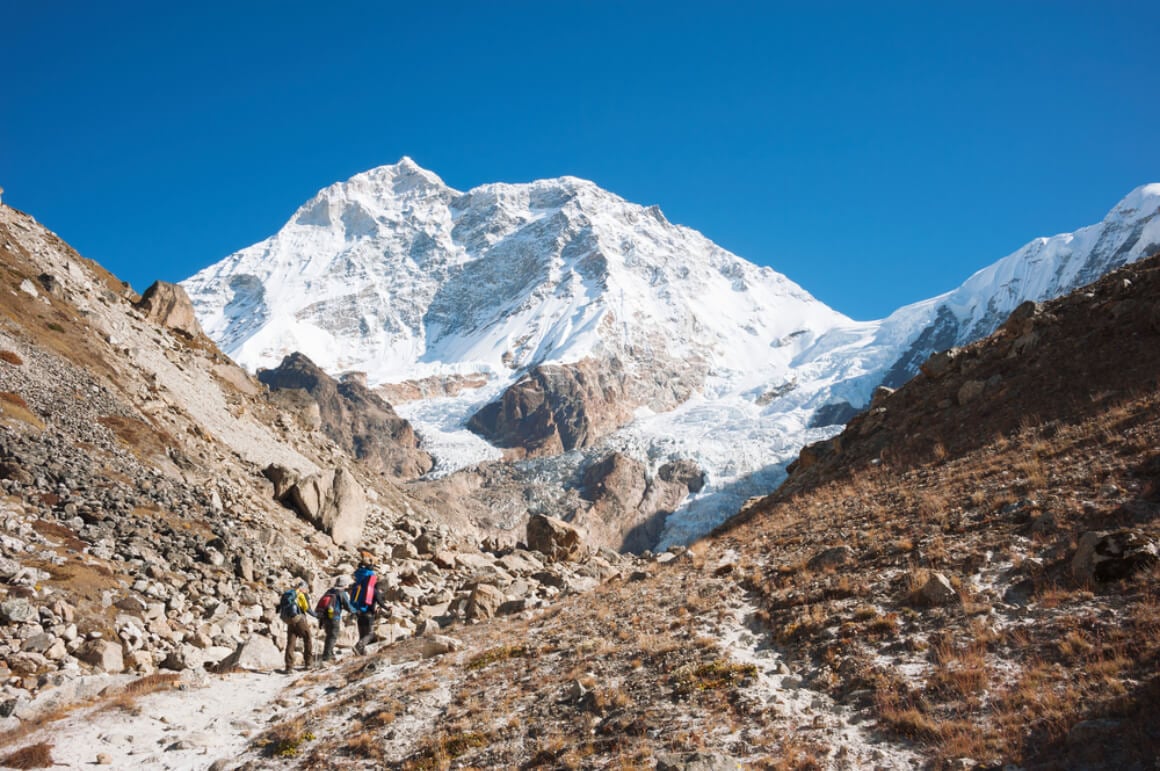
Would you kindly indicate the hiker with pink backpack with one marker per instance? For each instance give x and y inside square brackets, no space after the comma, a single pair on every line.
[367,601]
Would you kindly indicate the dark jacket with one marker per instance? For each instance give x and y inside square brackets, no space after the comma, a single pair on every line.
[342,602]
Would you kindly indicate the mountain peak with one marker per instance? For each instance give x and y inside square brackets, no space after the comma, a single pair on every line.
[1144,199]
[395,179]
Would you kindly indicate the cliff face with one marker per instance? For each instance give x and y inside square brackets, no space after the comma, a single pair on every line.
[361,423]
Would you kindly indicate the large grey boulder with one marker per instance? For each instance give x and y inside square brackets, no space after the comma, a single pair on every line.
[103,654]
[484,602]
[334,502]
[17,611]
[256,653]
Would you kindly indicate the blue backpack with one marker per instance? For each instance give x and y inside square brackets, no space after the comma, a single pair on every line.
[362,594]
[288,605]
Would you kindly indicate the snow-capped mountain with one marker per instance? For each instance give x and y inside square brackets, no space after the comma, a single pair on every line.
[706,356]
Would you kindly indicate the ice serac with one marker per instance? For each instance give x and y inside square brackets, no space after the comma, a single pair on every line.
[555,324]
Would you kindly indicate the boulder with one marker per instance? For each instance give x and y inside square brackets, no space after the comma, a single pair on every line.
[281,477]
[520,563]
[555,539]
[17,611]
[438,645]
[1111,556]
[184,657]
[484,602]
[939,363]
[103,654]
[334,502]
[831,558]
[256,653]
[938,591]
[169,305]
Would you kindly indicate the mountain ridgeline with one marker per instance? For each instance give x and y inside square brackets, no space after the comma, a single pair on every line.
[550,326]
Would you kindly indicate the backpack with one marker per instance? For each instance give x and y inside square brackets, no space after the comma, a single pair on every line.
[288,605]
[362,595]
[328,605]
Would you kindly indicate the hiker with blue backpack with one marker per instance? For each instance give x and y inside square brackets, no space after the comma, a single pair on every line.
[294,608]
[366,601]
[329,611]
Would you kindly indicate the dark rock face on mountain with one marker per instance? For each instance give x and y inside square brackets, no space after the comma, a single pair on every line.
[356,419]
[628,508]
[556,408]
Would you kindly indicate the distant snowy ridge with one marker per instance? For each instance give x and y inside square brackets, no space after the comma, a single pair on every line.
[396,274]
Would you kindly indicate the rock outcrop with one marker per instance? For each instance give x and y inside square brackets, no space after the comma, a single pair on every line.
[1112,556]
[628,506]
[168,305]
[556,408]
[355,418]
[332,500]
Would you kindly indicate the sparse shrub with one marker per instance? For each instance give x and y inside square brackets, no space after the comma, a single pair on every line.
[493,655]
[32,756]
[286,739]
[11,357]
[713,676]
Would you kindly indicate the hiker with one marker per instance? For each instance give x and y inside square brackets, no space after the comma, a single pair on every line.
[366,601]
[329,611]
[294,608]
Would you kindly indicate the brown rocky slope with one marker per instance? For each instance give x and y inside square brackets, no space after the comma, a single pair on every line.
[973,561]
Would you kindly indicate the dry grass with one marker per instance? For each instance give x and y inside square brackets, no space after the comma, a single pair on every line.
[126,700]
[146,441]
[33,756]
[285,740]
[12,405]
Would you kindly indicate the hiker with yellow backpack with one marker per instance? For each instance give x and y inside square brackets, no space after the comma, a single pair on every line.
[293,608]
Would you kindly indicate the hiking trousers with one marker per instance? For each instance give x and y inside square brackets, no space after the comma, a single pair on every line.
[330,627]
[299,627]
[366,631]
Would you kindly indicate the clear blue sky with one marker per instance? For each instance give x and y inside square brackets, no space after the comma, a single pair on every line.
[876,153]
